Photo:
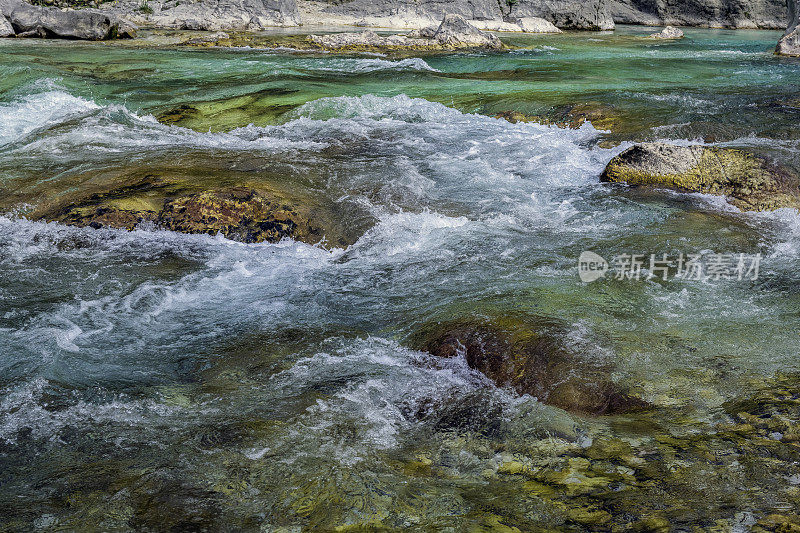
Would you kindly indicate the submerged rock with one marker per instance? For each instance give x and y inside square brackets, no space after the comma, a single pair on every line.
[789,45]
[249,211]
[533,361]
[48,22]
[453,33]
[572,116]
[749,182]
[240,214]
[210,39]
[670,32]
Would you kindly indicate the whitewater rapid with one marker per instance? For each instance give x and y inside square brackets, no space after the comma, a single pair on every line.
[469,208]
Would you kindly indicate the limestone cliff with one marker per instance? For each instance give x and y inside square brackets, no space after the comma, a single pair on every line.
[578,14]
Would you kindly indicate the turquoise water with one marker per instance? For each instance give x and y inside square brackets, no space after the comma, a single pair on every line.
[154,380]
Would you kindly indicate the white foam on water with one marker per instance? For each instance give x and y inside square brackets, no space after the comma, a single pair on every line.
[38,111]
[106,328]
[23,407]
[381,384]
[458,195]
[788,222]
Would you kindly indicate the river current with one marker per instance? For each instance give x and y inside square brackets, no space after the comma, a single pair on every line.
[155,380]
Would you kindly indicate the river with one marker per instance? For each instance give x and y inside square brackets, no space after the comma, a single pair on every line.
[155,380]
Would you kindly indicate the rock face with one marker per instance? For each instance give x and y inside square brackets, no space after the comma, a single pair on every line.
[768,14]
[452,34]
[431,10]
[212,15]
[26,20]
[532,360]
[670,32]
[749,182]
[578,15]
[5,28]
[789,45]
[498,15]
[568,14]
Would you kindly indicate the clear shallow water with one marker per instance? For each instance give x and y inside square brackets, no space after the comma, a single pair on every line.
[152,379]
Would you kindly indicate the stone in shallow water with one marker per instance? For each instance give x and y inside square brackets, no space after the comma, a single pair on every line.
[789,45]
[532,360]
[749,182]
[239,214]
[263,208]
[573,116]
[670,32]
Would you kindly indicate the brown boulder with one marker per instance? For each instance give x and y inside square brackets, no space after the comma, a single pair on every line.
[532,360]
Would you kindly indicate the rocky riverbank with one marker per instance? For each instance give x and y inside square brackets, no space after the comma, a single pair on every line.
[21,19]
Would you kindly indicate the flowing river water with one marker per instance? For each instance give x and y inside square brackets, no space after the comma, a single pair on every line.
[162,381]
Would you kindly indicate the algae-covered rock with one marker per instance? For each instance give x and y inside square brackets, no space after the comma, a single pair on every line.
[749,182]
[251,209]
[260,108]
[240,214]
[572,116]
[533,360]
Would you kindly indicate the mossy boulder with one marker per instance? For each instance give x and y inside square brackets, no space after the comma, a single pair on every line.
[243,208]
[240,214]
[532,359]
[749,182]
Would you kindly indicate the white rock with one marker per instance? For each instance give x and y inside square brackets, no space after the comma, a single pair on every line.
[536,25]
[670,32]
[5,28]
[525,24]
